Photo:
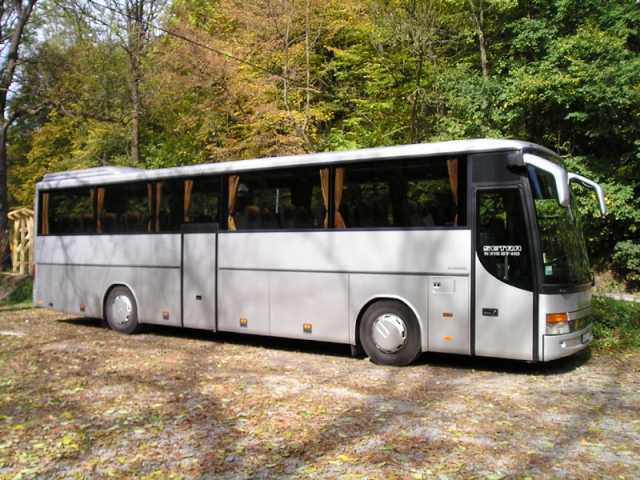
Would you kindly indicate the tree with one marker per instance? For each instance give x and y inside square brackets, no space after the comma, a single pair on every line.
[414,27]
[131,23]
[14,16]
[139,17]
[272,77]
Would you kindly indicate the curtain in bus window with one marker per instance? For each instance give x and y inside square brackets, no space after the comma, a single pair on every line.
[92,221]
[324,187]
[100,208]
[234,181]
[44,212]
[150,202]
[339,220]
[452,167]
[158,200]
[188,188]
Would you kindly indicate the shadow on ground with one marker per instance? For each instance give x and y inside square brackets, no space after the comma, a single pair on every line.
[498,365]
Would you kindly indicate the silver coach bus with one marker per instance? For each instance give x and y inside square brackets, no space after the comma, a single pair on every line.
[471,247]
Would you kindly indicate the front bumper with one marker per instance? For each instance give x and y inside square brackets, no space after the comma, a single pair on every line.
[558,346]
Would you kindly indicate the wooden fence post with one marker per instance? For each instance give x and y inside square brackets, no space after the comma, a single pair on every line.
[21,240]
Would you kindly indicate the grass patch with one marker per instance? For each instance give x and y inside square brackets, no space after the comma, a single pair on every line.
[20,297]
[616,324]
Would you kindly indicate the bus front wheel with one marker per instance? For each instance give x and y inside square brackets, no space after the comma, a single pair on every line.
[121,310]
[389,333]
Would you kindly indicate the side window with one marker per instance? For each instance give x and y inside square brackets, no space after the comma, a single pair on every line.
[366,196]
[125,208]
[201,200]
[410,193]
[67,212]
[194,200]
[169,205]
[502,242]
[279,199]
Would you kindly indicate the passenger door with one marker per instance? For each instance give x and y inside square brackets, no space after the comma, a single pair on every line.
[504,298]
[199,276]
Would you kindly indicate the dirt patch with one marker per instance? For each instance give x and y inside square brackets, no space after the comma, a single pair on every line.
[77,400]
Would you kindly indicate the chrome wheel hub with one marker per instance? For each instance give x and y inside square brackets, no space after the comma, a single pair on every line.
[389,333]
[121,309]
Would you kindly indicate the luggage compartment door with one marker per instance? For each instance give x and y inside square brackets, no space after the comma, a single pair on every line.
[199,280]
[449,315]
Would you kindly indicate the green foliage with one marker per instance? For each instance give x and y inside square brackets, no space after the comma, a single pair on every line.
[343,74]
[19,296]
[626,260]
[616,324]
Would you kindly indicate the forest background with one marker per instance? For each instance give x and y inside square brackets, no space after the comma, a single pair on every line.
[159,83]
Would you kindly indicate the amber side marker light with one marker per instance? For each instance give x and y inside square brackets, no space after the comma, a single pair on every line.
[557,323]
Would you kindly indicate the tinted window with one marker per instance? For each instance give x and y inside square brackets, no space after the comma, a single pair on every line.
[204,200]
[125,208]
[68,211]
[276,200]
[416,193]
[503,246]
[169,206]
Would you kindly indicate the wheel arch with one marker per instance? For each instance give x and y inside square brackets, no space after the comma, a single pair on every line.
[394,298]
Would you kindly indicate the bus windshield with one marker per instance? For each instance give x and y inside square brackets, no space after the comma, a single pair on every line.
[564,252]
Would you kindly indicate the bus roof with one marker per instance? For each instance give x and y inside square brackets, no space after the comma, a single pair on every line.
[108,175]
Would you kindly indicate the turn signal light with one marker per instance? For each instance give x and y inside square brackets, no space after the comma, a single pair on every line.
[557,323]
[557,317]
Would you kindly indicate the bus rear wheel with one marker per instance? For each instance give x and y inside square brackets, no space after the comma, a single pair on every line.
[389,333]
[121,311]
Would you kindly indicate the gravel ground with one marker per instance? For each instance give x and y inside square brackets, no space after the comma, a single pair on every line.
[80,401]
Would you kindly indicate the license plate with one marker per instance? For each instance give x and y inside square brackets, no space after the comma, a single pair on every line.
[587,337]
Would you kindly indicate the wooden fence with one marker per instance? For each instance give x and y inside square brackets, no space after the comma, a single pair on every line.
[21,240]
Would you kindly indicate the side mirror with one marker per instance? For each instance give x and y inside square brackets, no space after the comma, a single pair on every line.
[574,177]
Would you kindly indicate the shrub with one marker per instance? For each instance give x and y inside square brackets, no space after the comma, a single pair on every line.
[616,324]
[19,295]
[626,261]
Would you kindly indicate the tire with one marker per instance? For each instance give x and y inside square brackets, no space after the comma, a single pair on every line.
[389,333]
[121,311]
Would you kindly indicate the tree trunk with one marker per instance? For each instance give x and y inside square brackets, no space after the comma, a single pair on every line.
[134,87]
[20,13]
[285,67]
[413,130]
[477,14]
[135,44]
[4,198]
[484,64]
[307,102]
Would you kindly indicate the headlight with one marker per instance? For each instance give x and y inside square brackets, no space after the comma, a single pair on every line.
[557,323]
